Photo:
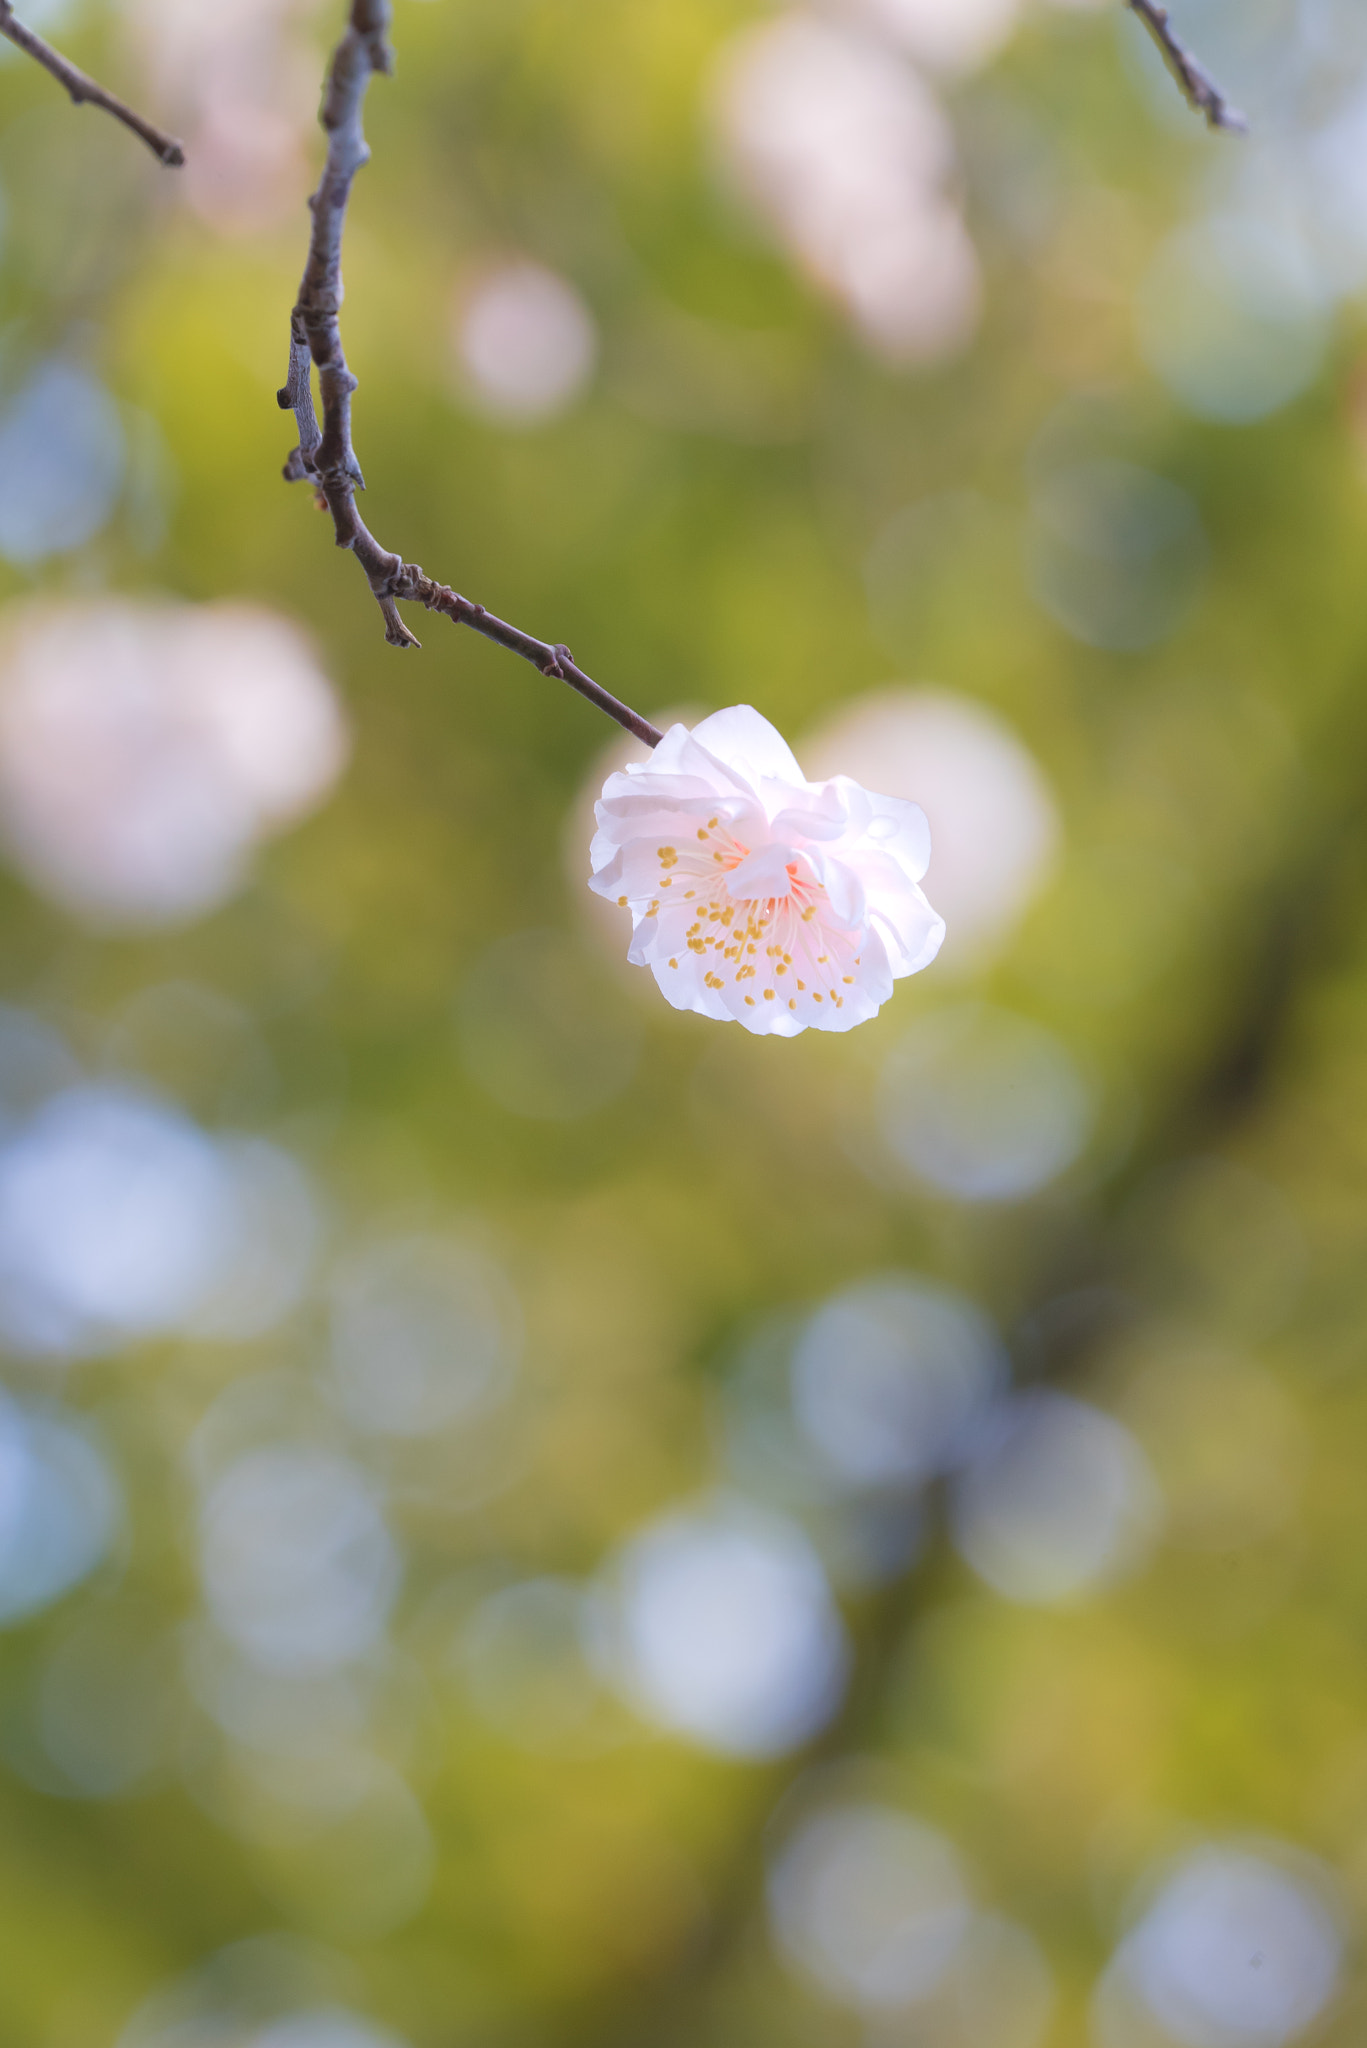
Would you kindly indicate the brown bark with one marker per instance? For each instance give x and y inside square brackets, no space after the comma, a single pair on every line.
[1198,88]
[84,91]
[325,456]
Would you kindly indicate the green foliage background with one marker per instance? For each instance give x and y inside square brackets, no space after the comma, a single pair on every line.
[695,530]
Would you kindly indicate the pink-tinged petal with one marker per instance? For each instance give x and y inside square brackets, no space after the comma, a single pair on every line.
[859,1007]
[688,754]
[889,825]
[902,831]
[657,940]
[636,797]
[606,861]
[783,931]
[887,885]
[899,908]
[691,836]
[637,853]
[844,888]
[763,874]
[685,988]
[676,754]
[638,870]
[876,970]
[744,740]
[930,946]
[807,828]
[913,940]
[821,812]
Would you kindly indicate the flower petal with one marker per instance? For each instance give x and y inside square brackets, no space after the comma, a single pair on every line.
[890,824]
[742,739]
[755,895]
[844,889]
[913,939]
[764,873]
[821,812]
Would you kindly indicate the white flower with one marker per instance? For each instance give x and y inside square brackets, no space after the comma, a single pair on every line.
[756,894]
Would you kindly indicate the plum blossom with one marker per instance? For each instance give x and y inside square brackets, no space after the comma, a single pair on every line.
[755,894]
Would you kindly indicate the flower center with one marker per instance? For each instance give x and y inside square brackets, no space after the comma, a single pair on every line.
[777,941]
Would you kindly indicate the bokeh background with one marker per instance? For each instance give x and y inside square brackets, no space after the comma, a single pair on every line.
[527,1518]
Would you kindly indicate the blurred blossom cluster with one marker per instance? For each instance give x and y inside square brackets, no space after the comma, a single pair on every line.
[946,37]
[994,824]
[525,343]
[717,1620]
[145,749]
[873,1908]
[121,1219]
[722,1627]
[845,1417]
[1238,1945]
[124,1221]
[242,80]
[841,146]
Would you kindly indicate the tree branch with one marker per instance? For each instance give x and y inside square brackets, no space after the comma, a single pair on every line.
[1198,88]
[325,456]
[84,91]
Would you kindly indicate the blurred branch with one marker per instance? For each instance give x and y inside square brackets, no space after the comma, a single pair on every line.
[325,456]
[84,91]
[1198,88]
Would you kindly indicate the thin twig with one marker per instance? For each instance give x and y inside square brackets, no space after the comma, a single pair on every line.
[1198,88]
[84,91]
[325,456]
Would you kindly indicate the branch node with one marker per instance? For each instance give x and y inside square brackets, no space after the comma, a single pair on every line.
[325,456]
[395,631]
